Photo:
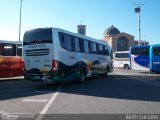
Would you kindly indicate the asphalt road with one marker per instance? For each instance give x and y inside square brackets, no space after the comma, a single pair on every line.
[122,93]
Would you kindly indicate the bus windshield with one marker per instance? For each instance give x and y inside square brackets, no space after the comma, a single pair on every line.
[140,51]
[121,55]
[38,36]
[156,51]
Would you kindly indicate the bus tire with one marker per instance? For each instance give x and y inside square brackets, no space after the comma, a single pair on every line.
[106,72]
[25,78]
[126,66]
[82,76]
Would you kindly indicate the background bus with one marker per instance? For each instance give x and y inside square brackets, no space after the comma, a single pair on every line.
[145,58]
[10,59]
[121,59]
[155,58]
[53,54]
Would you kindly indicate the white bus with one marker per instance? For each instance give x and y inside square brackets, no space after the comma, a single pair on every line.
[53,55]
[121,59]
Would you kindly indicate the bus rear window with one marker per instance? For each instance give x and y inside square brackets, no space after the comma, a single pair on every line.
[8,50]
[37,36]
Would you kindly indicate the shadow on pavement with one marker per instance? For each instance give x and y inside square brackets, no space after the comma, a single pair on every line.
[114,86]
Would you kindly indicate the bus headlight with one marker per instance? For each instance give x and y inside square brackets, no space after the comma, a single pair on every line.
[156,63]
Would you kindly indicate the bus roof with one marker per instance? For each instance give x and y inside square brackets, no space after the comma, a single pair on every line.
[74,34]
[140,46]
[81,36]
[155,45]
[11,42]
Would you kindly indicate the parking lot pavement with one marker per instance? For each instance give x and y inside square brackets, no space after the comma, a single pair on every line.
[144,76]
[122,92]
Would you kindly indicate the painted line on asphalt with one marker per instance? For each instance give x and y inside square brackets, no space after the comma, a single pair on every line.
[11,78]
[140,80]
[35,100]
[1,112]
[3,91]
[145,81]
[12,113]
[47,106]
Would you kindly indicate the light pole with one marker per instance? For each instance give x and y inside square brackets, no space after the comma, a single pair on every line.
[20,20]
[138,10]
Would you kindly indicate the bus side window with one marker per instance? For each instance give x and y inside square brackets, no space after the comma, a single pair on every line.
[94,48]
[9,50]
[81,43]
[76,44]
[90,46]
[86,46]
[1,49]
[19,50]
[145,51]
[67,44]
[72,44]
[106,52]
[98,48]
[111,54]
[154,51]
[101,49]
[133,51]
[65,41]
[158,51]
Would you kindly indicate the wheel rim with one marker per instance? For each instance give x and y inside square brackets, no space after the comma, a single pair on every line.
[82,77]
[126,66]
[106,72]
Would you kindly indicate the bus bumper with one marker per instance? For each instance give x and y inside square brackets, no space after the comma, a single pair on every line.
[51,78]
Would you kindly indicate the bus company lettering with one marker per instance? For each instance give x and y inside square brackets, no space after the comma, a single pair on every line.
[9,116]
[37,46]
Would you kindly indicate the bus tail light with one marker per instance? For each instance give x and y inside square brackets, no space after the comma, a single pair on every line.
[23,65]
[54,65]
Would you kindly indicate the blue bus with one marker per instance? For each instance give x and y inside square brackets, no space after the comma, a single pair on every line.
[145,58]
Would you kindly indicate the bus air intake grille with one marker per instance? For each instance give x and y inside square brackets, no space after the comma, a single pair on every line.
[37,52]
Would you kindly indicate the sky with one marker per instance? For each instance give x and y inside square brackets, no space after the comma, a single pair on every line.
[97,15]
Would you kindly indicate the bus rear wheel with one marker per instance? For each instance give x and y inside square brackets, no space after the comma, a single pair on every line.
[126,66]
[82,76]
[106,73]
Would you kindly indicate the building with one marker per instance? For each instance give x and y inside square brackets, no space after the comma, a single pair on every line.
[117,40]
[142,42]
[81,29]
[120,41]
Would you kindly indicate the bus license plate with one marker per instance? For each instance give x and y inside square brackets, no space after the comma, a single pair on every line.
[37,77]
